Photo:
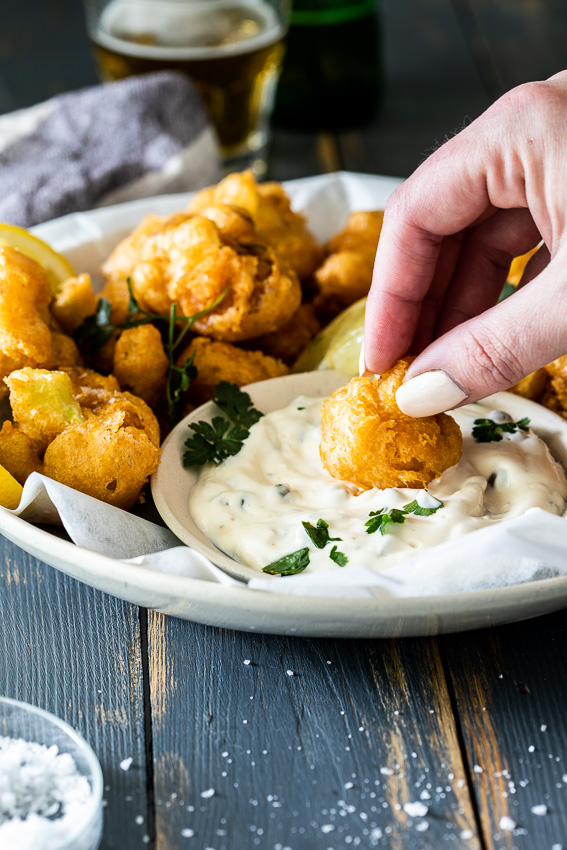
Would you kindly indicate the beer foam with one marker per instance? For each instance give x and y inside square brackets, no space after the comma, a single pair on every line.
[190,30]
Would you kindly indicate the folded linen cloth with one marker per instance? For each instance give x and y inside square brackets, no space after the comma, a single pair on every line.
[134,138]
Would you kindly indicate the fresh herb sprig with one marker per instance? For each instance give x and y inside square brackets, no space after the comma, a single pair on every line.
[488,431]
[384,520]
[289,565]
[338,557]
[96,330]
[319,534]
[221,438]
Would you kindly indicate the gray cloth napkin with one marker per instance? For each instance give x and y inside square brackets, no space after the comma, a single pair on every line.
[134,138]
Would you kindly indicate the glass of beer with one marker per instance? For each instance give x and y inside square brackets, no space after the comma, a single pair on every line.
[231,49]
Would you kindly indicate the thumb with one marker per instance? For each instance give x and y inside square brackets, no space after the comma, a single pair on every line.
[493,351]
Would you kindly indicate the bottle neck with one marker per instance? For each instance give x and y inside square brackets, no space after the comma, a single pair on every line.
[321,12]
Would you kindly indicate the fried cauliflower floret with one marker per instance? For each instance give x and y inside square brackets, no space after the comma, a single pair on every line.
[122,260]
[25,337]
[288,342]
[532,386]
[73,301]
[368,441]
[43,403]
[116,291]
[65,351]
[237,190]
[220,361]
[91,389]
[270,209]
[187,261]
[346,274]
[19,454]
[286,230]
[140,362]
[109,456]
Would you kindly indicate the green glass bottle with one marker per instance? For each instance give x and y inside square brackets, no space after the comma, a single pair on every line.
[332,72]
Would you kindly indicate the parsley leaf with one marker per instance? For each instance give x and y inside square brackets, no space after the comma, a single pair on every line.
[214,442]
[96,330]
[382,520]
[289,565]
[415,508]
[338,557]
[236,404]
[319,534]
[487,431]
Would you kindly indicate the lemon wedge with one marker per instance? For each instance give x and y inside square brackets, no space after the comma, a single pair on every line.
[518,266]
[57,267]
[338,344]
[10,490]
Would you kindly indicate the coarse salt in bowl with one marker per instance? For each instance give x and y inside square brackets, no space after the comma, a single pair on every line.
[50,783]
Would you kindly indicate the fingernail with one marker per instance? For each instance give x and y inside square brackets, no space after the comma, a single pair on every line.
[361,363]
[428,394]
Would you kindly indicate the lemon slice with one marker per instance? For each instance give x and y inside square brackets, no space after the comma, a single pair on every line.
[518,266]
[57,267]
[338,344]
[10,490]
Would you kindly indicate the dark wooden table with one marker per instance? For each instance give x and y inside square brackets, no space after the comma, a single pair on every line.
[232,755]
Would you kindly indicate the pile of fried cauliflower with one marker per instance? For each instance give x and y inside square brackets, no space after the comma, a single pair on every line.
[239,253]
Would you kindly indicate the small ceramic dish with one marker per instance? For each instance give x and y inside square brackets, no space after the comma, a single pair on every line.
[19,720]
[172,483]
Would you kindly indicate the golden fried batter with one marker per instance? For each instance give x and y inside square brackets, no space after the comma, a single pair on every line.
[140,363]
[25,292]
[126,255]
[65,351]
[91,389]
[187,261]
[346,274]
[532,386]
[368,441]
[105,457]
[219,361]
[276,223]
[19,454]
[288,342]
[43,403]
[73,301]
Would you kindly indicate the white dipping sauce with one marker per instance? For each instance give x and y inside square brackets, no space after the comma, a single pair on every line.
[253,504]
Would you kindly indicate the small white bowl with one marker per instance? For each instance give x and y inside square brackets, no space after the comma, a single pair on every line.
[20,720]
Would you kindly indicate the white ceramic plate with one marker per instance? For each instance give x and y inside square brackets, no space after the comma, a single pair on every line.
[86,239]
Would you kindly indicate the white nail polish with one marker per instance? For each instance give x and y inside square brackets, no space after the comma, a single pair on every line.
[428,394]
[361,363]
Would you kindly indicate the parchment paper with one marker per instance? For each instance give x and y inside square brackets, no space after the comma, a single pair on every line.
[530,547]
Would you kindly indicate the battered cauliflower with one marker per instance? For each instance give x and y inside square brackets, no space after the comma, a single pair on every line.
[368,441]
[346,274]
[288,342]
[25,293]
[140,363]
[219,361]
[19,454]
[73,301]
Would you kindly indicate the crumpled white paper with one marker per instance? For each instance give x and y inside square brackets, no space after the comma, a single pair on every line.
[530,547]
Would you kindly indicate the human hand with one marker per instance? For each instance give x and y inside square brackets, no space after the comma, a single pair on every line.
[450,231]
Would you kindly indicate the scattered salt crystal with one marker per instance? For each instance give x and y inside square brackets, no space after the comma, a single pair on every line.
[187,833]
[386,771]
[507,824]
[139,820]
[43,796]
[543,727]
[425,795]
[541,809]
[556,847]
[466,834]
[477,768]
[348,785]
[422,826]
[247,661]
[416,810]
[531,748]
[125,763]
[289,672]
[327,827]
[208,793]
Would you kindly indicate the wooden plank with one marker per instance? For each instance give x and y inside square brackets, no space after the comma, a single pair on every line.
[76,652]
[310,744]
[514,41]
[432,88]
[510,687]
